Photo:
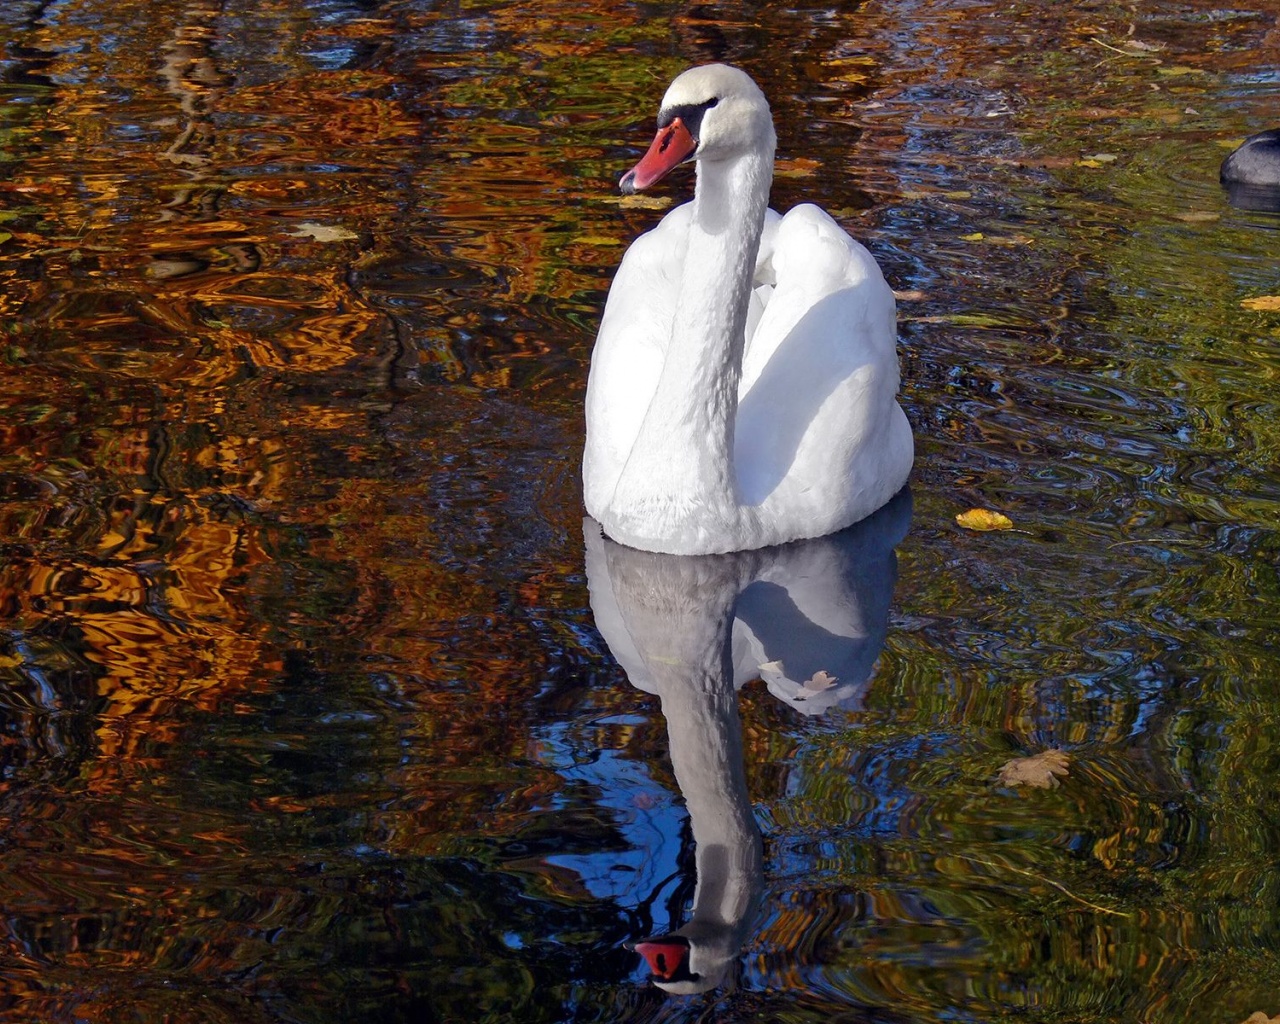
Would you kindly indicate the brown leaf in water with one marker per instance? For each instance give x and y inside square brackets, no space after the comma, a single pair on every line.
[1269,303]
[1039,770]
[1009,241]
[322,232]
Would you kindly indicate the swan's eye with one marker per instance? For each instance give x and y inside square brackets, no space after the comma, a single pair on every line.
[689,113]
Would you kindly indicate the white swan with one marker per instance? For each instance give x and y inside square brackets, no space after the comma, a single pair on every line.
[742,386]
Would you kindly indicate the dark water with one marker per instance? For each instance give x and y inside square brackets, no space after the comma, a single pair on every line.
[318,707]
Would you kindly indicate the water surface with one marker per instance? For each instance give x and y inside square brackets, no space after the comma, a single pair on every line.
[312,710]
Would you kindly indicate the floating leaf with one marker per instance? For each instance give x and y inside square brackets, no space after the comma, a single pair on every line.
[1102,158]
[322,232]
[599,240]
[1088,162]
[1258,1017]
[1040,770]
[636,202]
[1269,303]
[1009,241]
[984,519]
[818,682]
[977,236]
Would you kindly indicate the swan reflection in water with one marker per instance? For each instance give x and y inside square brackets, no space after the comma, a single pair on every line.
[691,630]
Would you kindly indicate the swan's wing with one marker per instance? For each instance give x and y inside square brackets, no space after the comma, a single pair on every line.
[820,436]
[629,350]
[808,258]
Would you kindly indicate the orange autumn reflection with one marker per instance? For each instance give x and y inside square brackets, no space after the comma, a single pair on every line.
[304,714]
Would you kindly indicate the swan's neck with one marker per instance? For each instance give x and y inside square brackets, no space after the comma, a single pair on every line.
[680,470]
[706,753]
[682,623]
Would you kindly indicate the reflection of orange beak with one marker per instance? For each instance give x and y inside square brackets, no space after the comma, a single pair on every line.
[664,958]
[672,145]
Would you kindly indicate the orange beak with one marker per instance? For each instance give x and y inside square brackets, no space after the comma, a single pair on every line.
[671,146]
[664,958]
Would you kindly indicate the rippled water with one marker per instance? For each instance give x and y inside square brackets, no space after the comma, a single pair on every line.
[321,704]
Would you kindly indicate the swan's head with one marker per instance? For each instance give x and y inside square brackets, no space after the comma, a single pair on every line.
[685,968]
[713,112]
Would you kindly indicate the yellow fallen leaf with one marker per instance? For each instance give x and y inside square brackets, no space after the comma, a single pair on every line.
[977,236]
[984,519]
[1088,163]
[1270,303]
[1039,770]
[638,202]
